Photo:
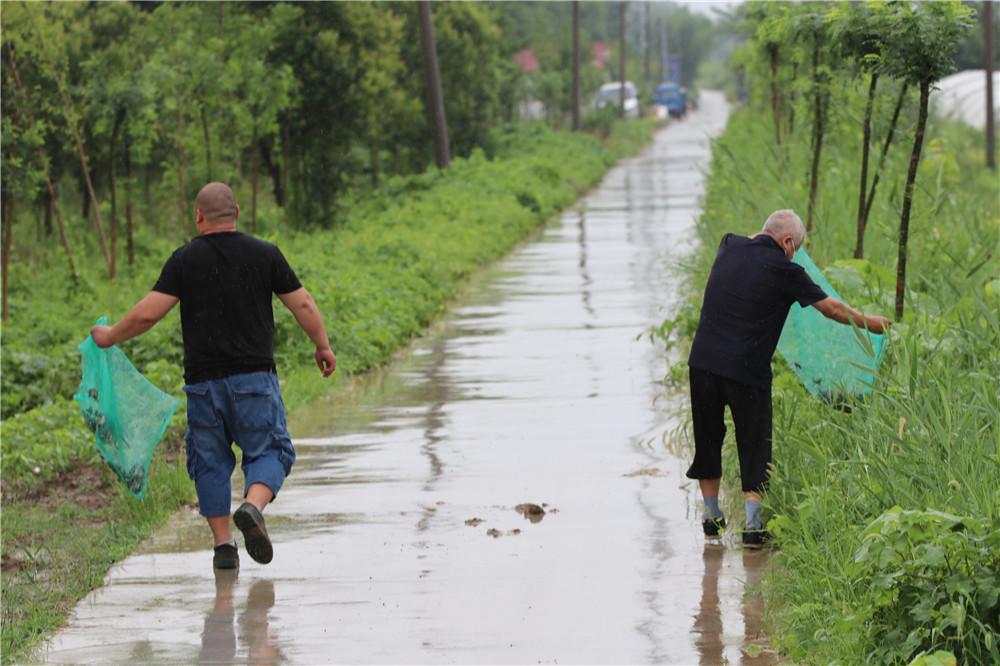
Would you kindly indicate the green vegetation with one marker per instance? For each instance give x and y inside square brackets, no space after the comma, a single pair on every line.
[887,516]
[379,278]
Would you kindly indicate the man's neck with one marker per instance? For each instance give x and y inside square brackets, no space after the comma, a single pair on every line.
[218,230]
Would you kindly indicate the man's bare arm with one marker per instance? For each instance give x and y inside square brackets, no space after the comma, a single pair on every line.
[845,314]
[142,317]
[302,305]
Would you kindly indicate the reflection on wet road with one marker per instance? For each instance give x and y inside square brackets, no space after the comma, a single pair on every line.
[400,536]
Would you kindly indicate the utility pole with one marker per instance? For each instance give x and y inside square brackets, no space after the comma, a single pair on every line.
[435,99]
[576,65]
[621,59]
[991,137]
[646,42]
[664,52]
[659,38]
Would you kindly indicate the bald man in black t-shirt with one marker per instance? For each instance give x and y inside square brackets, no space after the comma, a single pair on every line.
[752,285]
[224,280]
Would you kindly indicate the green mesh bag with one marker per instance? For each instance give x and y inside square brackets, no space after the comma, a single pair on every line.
[126,412]
[833,361]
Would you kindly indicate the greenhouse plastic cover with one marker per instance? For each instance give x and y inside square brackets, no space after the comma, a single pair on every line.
[832,360]
[126,412]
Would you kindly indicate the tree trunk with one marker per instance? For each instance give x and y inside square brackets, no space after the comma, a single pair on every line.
[661,30]
[147,199]
[273,168]
[48,218]
[113,180]
[59,220]
[817,138]
[772,52]
[621,59]
[576,66]
[42,162]
[791,100]
[84,198]
[70,113]
[286,160]
[181,199]
[988,35]
[859,246]
[435,98]
[911,177]
[6,212]
[646,41]
[129,209]
[376,162]
[253,181]
[885,151]
[208,143]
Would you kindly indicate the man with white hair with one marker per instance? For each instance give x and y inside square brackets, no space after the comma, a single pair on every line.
[750,289]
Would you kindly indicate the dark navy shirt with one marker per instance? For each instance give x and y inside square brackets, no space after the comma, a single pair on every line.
[750,289]
[224,282]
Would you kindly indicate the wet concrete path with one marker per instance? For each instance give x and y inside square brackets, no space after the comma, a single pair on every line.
[397,535]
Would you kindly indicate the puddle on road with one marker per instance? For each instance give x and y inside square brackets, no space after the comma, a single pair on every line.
[413,528]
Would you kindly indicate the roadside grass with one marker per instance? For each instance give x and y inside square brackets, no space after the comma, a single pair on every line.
[380,276]
[887,517]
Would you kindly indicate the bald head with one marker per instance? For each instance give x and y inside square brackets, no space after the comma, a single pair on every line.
[782,224]
[217,204]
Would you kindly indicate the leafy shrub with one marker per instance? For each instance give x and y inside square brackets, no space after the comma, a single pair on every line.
[934,582]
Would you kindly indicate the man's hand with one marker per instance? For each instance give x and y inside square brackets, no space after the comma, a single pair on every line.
[878,324]
[326,361]
[302,305]
[102,336]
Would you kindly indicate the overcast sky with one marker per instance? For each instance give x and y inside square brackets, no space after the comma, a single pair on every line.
[708,7]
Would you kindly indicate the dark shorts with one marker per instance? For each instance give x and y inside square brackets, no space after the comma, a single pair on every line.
[751,410]
[246,409]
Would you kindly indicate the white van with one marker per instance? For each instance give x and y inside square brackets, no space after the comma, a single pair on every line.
[610,95]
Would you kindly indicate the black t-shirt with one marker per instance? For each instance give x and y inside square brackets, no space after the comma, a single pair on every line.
[224,282]
[750,289]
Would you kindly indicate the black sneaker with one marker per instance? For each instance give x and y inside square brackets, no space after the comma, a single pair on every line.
[251,522]
[713,526]
[756,538]
[226,557]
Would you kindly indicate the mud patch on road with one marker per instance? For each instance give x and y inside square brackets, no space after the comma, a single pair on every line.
[532,512]
[648,471]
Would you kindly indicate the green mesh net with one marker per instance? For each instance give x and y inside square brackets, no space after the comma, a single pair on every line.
[833,361]
[126,412]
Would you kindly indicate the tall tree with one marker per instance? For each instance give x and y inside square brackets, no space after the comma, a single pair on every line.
[856,30]
[771,34]
[890,133]
[576,65]
[920,46]
[812,26]
[47,41]
[33,134]
[432,73]
[988,37]
[622,6]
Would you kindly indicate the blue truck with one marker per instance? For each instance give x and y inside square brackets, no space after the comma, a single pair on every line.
[673,97]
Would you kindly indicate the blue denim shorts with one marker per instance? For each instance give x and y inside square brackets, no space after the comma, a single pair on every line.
[246,409]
